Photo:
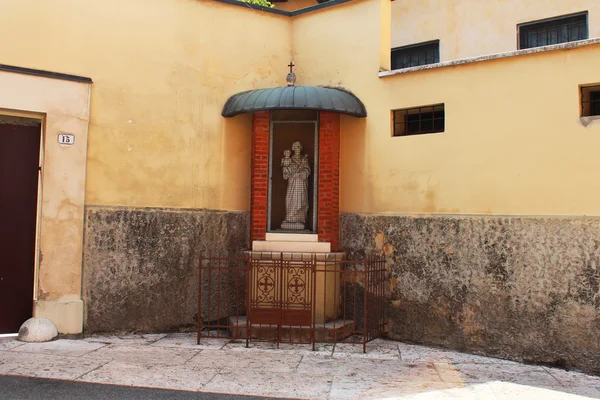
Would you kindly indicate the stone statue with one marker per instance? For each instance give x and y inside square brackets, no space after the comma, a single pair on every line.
[296,171]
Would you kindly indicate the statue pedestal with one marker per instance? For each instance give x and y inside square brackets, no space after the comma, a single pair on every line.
[291,242]
[298,273]
[292,226]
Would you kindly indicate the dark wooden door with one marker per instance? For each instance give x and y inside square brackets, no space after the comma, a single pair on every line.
[19,161]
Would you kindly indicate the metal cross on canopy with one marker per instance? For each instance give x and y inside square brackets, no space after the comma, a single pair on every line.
[291,77]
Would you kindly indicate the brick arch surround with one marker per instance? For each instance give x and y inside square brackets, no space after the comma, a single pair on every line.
[328,213]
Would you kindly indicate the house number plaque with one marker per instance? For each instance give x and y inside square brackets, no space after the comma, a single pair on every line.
[66,139]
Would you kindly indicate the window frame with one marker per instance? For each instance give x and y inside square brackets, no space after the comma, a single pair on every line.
[589,100]
[548,22]
[406,123]
[413,47]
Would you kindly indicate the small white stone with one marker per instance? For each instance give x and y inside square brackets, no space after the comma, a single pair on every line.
[37,330]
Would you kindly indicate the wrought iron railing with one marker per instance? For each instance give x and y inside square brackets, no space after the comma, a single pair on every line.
[292,297]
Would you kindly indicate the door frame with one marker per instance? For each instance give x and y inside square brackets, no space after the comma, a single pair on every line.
[62,103]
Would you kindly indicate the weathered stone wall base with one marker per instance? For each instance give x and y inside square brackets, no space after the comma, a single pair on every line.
[526,289]
[141,265]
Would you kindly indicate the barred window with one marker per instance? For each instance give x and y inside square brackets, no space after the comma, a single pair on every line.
[416,54]
[553,31]
[419,120]
[590,101]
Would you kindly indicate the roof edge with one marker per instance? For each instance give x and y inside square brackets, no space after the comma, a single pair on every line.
[305,10]
[255,7]
[45,74]
[317,7]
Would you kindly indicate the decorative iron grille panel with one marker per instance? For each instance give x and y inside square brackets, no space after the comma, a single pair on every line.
[292,297]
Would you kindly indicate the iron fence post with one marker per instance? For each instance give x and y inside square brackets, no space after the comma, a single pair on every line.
[199,296]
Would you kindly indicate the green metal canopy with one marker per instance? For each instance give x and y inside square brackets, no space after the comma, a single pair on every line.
[295,98]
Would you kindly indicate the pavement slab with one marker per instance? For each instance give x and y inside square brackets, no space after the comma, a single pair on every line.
[72,348]
[25,388]
[143,355]
[572,378]
[45,366]
[274,384]
[256,360]
[510,391]
[389,369]
[415,353]
[189,341]
[177,377]
[127,340]
[376,349]
[320,348]
[392,385]
[504,372]
[7,344]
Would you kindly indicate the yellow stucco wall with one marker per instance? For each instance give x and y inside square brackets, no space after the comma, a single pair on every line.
[513,144]
[162,71]
[470,28]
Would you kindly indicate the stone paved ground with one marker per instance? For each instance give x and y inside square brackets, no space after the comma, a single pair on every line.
[389,370]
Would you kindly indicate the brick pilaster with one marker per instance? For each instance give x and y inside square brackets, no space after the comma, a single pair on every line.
[260,175]
[329,179]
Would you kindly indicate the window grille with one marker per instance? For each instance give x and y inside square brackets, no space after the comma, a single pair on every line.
[419,120]
[553,31]
[590,101]
[416,54]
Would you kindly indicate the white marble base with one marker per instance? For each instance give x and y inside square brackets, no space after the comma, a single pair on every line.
[291,237]
[294,247]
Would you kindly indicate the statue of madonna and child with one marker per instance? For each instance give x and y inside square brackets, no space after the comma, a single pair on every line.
[296,171]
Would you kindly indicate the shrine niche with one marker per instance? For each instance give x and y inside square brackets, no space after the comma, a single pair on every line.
[295,164]
[293,170]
